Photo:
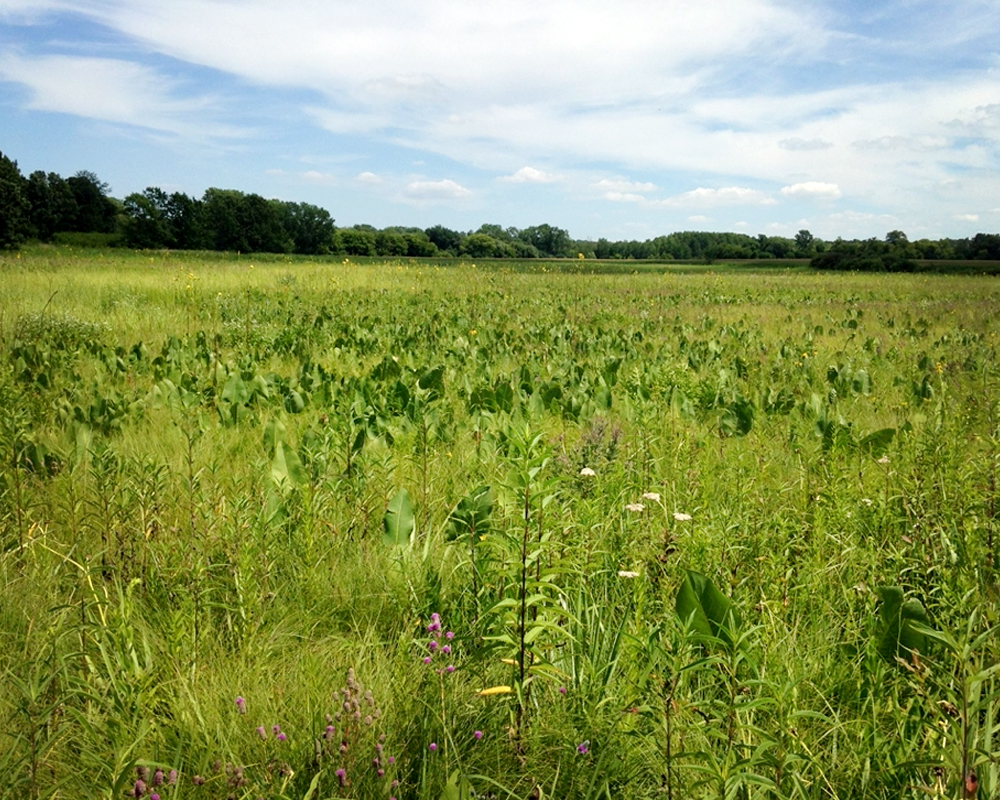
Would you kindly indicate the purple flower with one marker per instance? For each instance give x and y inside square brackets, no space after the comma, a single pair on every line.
[139,789]
[562,690]
[241,705]
[446,649]
[427,659]
[432,747]
[172,777]
[450,668]
[158,777]
[281,737]
[477,735]
[154,796]
[341,776]
[276,729]
[390,760]
[261,732]
[583,748]
[449,635]
[432,645]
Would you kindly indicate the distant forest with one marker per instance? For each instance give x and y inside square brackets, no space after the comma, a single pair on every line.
[43,206]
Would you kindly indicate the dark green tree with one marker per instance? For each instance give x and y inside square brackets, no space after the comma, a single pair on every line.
[14,207]
[445,239]
[146,225]
[355,242]
[95,211]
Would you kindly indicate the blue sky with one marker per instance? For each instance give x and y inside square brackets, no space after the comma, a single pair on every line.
[621,119]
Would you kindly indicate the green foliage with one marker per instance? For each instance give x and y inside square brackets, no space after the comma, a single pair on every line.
[201,469]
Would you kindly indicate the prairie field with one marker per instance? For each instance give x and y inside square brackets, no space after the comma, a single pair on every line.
[308,529]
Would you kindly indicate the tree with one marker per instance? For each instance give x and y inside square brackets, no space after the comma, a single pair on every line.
[95,212]
[146,226]
[548,240]
[310,228]
[445,239]
[388,243]
[14,207]
[355,242]
[804,243]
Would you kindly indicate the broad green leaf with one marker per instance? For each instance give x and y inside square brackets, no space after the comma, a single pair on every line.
[471,516]
[286,468]
[878,442]
[709,612]
[399,522]
[901,622]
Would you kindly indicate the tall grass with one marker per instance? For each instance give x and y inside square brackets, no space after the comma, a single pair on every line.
[198,457]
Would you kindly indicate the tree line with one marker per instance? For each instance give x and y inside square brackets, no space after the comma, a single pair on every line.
[44,205]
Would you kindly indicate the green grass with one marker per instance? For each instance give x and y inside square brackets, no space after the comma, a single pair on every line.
[199,452]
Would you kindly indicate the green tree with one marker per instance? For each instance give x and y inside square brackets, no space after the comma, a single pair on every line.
[146,225]
[355,242]
[388,243]
[309,228]
[95,211]
[548,240]
[445,239]
[14,206]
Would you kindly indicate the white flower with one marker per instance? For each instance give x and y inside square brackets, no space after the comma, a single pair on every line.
[635,507]
[680,516]
[866,501]
[651,496]
[883,460]
[627,573]
[587,472]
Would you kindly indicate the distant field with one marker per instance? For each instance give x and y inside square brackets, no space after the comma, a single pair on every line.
[312,528]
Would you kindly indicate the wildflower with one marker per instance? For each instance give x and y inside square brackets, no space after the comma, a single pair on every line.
[154,796]
[635,507]
[450,668]
[198,780]
[171,777]
[432,645]
[427,659]
[158,777]
[626,573]
[562,690]
[680,516]
[449,635]
[139,789]
[587,472]
[652,496]
[446,650]
[477,735]
[432,747]
[281,737]
[241,705]
[583,748]
[883,460]
[341,776]
[261,732]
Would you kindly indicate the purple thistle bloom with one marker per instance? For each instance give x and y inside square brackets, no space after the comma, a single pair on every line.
[281,736]
[432,747]
[477,735]
[562,690]
[390,760]
[583,748]
[432,645]
[261,732]
[427,659]
[381,773]
[158,777]
[241,705]
[139,789]
[450,668]
[172,777]
[276,728]
[154,796]
[446,649]
[341,776]
[449,635]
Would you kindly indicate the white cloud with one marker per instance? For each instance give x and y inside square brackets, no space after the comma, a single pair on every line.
[811,190]
[698,218]
[967,217]
[369,178]
[798,143]
[726,196]
[622,185]
[625,197]
[116,91]
[436,190]
[529,175]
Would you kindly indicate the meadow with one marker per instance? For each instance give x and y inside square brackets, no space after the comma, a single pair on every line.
[302,528]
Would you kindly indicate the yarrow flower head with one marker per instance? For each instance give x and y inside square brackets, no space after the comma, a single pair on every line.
[635,507]
[587,472]
[651,496]
[680,516]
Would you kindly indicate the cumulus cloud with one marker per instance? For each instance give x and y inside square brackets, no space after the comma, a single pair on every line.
[726,196]
[967,217]
[811,190]
[436,190]
[620,185]
[529,175]
[368,177]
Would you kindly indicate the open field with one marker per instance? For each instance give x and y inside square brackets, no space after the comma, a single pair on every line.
[298,528]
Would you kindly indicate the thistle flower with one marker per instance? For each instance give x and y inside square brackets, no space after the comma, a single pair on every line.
[432,747]
[341,776]
[241,705]
[261,732]
[139,789]
[477,735]
[583,748]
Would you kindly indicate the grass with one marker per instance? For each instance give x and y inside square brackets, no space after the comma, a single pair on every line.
[199,454]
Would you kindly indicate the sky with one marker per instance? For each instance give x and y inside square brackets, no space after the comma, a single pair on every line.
[622,119]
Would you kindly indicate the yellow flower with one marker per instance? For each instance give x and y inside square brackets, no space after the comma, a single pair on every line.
[494,690]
